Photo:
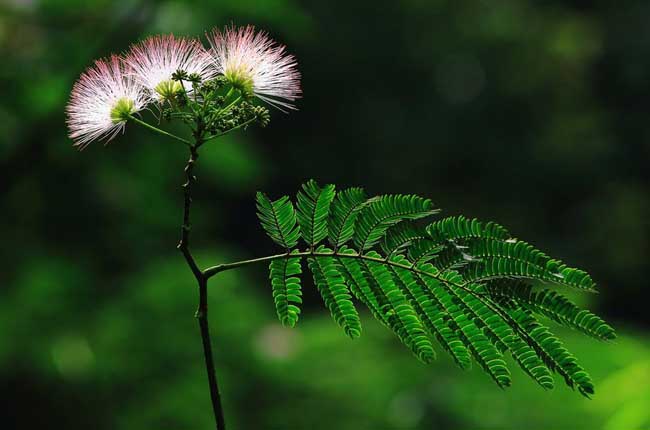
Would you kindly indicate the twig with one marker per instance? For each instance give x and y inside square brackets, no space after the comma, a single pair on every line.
[159,131]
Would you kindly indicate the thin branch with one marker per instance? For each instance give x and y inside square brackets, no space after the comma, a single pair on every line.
[231,104]
[211,271]
[202,317]
[202,280]
[243,124]
[157,130]
[184,244]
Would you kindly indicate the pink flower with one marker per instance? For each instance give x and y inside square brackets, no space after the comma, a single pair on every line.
[254,63]
[101,102]
[153,61]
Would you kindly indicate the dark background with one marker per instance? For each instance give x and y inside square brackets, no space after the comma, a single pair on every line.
[533,114]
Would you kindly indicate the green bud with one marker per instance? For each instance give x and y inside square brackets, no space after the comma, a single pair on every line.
[179,75]
[262,115]
[195,78]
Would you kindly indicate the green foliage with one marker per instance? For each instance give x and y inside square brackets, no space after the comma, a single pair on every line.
[554,306]
[486,251]
[343,215]
[468,326]
[401,235]
[406,323]
[313,205]
[278,219]
[286,289]
[335,293]
[550,349]
[384,211]
[459,227]
[432,314]
[458,281]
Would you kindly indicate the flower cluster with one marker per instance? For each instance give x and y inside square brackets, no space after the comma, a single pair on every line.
[165,71]
[254,64]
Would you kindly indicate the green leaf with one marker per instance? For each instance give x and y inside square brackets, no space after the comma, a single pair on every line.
[554,306]
[286,289]
[453,257]
[433,316]
[487,255]
[456,281]
[313,205]
[482,349]
[401,235]
[423,250]
[495,267]
[374,299]
[503,336]
[552,352]
[331,285]
[385,211]
[458,227]
[401,315]
[278,220]
[343,214]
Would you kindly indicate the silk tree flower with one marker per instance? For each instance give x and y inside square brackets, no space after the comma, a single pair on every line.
[254,63]
[102,101]
[153,61]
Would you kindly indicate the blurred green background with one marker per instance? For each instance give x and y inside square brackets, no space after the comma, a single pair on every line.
[530,113]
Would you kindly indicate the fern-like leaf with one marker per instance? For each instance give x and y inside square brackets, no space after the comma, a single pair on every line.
[343,214]
[423,250]
[402,235]
[553,353]
[503,335]
[364,291]
[481,347]
[287,294]
[385,303]
[278,219]
[432,315]
[490,253]
[313,205]
[457,281]
[459,227]
[332,287]
[377,216]
[554,306]
[553,272]
[514,258]
[401,314]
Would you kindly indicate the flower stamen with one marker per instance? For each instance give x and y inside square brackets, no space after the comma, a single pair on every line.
[167,89]
[122,110]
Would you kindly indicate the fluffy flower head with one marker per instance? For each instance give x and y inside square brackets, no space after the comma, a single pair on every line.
[254,63]
[153,61]
[101,102]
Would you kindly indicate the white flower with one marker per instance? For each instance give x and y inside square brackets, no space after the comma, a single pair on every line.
[101,102]
[254,63]
[153,61]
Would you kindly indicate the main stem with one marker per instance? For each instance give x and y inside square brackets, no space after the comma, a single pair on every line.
[202,281]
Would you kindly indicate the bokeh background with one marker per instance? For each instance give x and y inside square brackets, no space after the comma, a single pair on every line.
[534,114]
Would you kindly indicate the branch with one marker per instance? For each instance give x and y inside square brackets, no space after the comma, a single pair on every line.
[159,131]
[202,280]
[211,271]
[184,244]
[202,317]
